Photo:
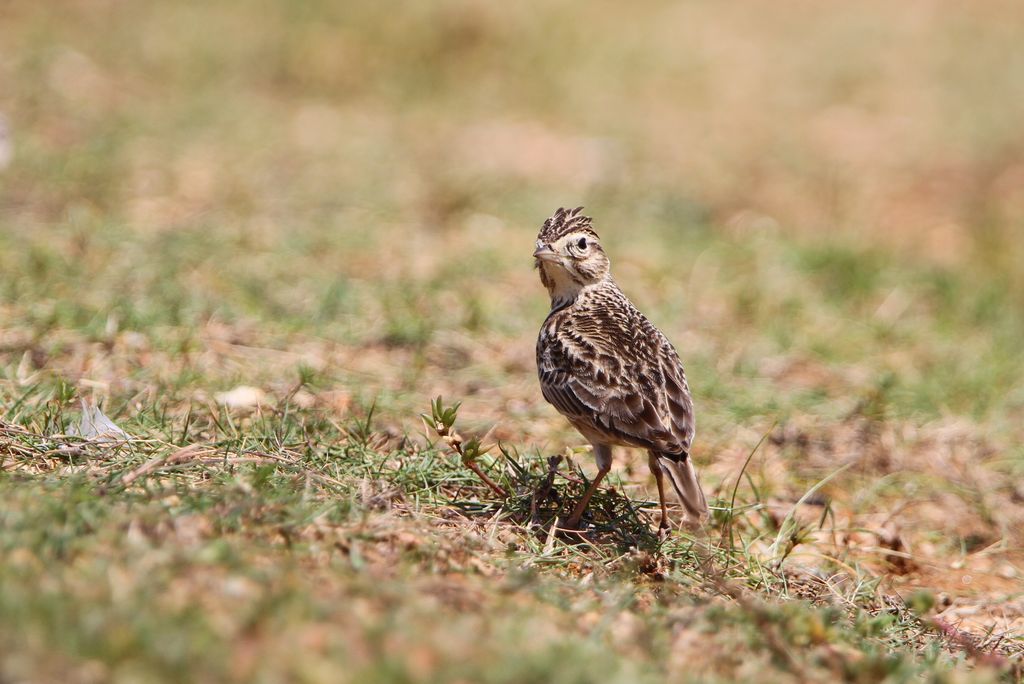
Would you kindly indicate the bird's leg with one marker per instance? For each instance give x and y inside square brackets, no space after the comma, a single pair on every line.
[603,453]
[659,477]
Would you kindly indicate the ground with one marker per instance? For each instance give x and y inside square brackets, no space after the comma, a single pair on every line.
[262,238]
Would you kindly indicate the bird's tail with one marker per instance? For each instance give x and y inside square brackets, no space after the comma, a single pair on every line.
[684,479]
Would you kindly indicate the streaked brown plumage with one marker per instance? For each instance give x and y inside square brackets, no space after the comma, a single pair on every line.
[608,369]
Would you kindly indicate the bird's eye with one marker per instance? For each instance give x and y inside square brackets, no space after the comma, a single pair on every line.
[582,243]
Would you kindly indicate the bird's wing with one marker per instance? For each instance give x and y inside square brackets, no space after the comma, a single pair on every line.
[679,403]
[613,389]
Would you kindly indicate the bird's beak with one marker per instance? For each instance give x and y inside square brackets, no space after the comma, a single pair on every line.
[545,253]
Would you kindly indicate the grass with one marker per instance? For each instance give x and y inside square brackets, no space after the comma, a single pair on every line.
[334,207]
[344,552]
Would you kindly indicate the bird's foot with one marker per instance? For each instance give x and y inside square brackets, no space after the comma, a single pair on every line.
[573,529]
[571,525]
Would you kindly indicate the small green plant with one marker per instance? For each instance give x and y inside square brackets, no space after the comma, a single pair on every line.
[442,420]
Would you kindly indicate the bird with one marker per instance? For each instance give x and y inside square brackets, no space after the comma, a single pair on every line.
[607,369]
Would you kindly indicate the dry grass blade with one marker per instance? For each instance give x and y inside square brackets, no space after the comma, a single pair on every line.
[788,526]
[186,454]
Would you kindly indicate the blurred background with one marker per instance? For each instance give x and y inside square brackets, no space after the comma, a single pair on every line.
[822,204]
[780,186]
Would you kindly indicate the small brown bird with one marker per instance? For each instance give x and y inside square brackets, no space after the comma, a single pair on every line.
[607,369]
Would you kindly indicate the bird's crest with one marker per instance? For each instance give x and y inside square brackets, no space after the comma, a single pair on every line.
[563,222]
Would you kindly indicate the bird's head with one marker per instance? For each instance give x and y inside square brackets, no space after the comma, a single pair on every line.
[569,254]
